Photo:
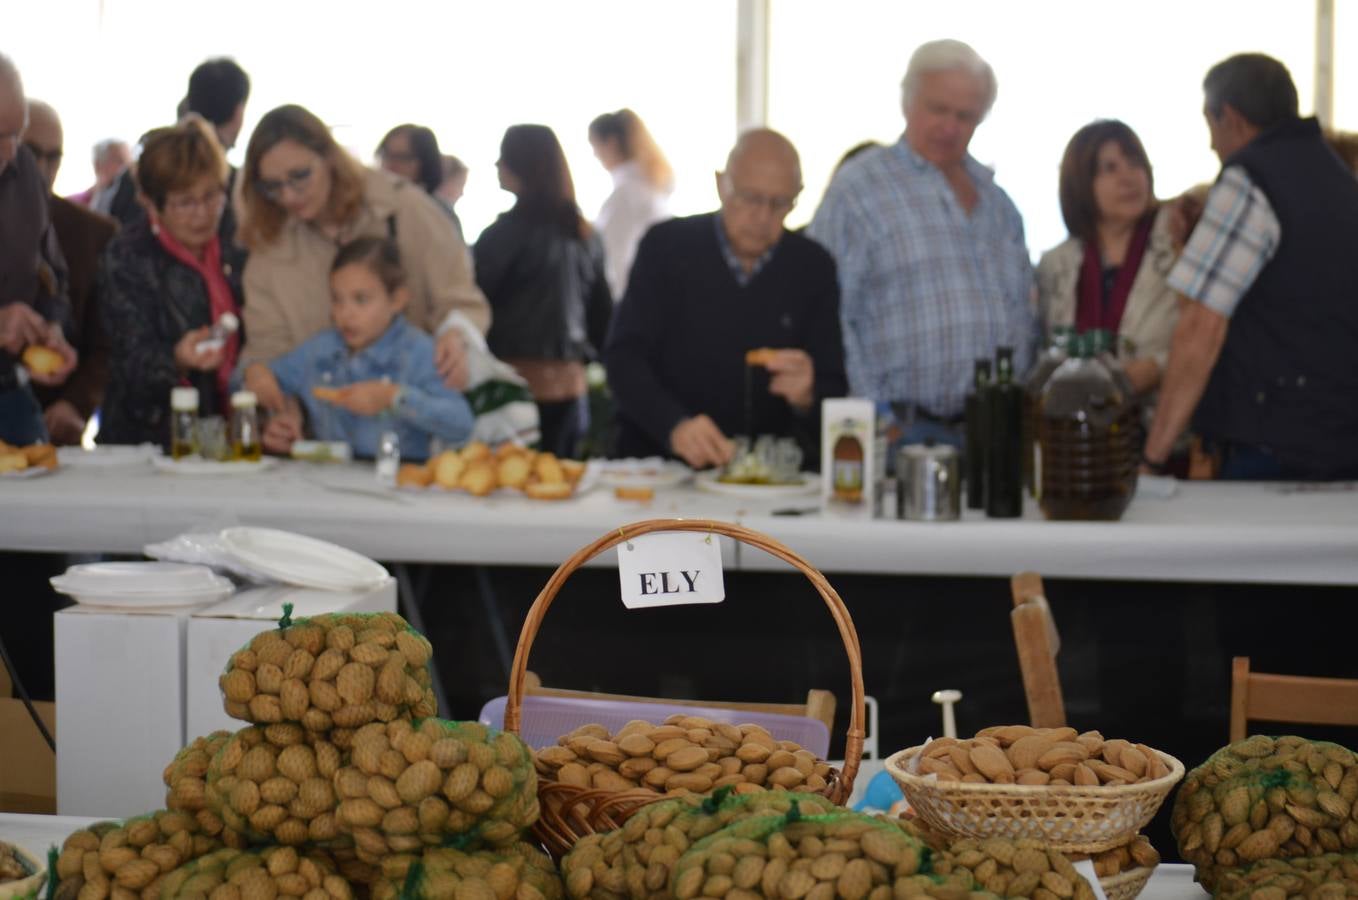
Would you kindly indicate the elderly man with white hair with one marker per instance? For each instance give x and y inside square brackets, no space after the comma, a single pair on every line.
[933,269]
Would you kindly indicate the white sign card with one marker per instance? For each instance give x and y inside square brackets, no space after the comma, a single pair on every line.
[670,568]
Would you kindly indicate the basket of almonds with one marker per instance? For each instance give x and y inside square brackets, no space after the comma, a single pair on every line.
[1079,792]
[593,781]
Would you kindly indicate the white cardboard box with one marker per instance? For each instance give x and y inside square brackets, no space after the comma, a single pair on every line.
[120,708]
[215,632]
[135,686]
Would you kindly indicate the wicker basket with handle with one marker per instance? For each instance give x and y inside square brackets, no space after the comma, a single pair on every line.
[570,812]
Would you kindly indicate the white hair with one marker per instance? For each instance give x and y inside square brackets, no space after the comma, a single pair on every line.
[946,55]
[107,146]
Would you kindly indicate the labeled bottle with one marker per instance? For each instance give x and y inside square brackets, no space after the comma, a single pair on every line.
[847,464]
[183,422]
[1004,441]
[1047,363]
[975,419]
[388,460]
[245,441]
[1089,452]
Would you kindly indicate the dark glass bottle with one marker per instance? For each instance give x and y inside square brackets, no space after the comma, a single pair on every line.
[1089,454]
[1046,364]
[976,435]
[1004,464]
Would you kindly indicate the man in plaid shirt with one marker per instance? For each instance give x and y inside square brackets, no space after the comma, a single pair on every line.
[1264,358]
[933,268]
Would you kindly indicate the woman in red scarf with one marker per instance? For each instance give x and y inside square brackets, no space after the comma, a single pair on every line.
[1110,273]
[164,283]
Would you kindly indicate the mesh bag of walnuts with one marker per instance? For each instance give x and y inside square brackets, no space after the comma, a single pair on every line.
[186,775]
[821,857]
[1267,798]
[266,874]
[128,859]
[517,872]
[636,860]
[685,753]
[273,783]
[408,786]
[332,674]
[1330,876]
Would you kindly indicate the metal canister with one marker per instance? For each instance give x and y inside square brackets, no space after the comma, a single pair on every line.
[929,477]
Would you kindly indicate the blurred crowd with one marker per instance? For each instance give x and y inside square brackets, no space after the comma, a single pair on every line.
[362,307]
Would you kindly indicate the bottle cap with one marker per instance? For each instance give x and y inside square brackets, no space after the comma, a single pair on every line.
[243,398]
[229,322]
[184,399]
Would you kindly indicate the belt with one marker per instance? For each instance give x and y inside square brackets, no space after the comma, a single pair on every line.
[906,413]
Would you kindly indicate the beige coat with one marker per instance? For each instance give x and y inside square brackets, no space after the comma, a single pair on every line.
[1152,307]
[287,284]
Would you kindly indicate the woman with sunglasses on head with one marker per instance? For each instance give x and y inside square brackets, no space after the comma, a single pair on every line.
[542,268]
[164,281]
[302,198]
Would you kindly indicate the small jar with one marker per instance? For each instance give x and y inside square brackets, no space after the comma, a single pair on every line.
[245,442]
[388,461]
[183,422]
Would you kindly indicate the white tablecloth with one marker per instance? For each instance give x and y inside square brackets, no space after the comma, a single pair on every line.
[37,833]
[1264,533]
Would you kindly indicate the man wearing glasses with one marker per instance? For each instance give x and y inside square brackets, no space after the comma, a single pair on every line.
[933,269]
[707,290]
[34,305]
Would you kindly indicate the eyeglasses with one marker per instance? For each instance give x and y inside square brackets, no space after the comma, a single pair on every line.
[42,155]
[210,202]
[296,179]
[778,206]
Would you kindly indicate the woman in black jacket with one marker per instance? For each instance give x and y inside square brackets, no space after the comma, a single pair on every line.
[542,268]
[164,281]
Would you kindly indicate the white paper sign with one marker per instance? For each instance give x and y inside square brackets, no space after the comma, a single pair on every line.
[1086,868]
[670,568]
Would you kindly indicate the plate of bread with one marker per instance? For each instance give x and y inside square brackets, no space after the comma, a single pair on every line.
[479,470]
[27,462]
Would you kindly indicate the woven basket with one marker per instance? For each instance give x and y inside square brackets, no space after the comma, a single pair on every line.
[1069,818]
[29,887]
[1126,885]
[569,813]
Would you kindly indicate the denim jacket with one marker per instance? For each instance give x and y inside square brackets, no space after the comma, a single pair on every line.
[403,355]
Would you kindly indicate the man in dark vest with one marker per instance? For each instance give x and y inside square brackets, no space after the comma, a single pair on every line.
[706,290]
[1264,359]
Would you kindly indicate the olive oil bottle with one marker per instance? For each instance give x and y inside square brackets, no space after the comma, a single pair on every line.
[1004,444]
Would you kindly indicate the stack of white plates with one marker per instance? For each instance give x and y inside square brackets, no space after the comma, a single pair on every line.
[141,585]
[301,560]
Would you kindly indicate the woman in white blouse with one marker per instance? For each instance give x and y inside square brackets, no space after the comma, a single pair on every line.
[642,183]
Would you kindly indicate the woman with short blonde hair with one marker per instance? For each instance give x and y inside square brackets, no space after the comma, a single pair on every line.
[164,282]
[302,197]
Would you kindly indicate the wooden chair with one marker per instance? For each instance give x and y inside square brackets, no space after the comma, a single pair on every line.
[819,704]
[1297,699]
[1037,641]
